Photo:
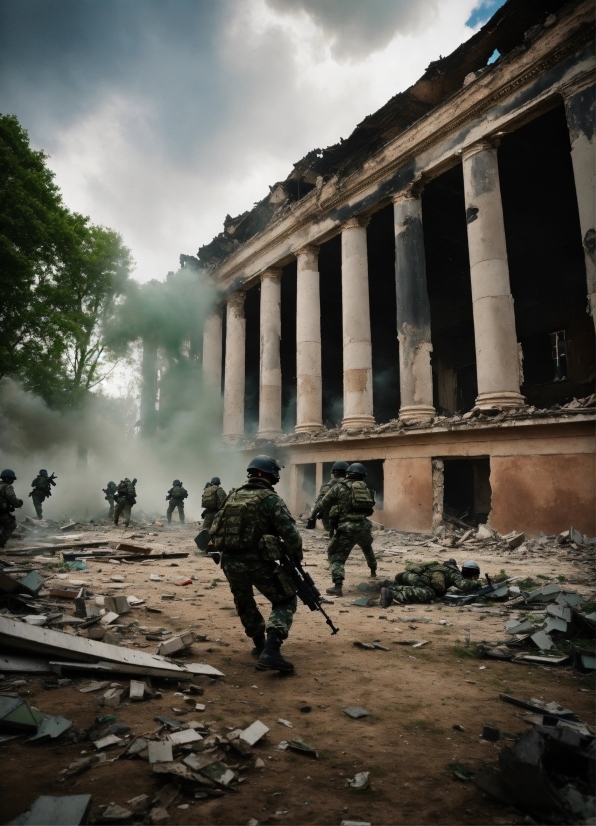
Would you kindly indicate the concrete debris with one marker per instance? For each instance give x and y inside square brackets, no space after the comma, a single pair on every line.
[176,644]
[360,781]
[356,712]
[303,748]
[137,690]
[254,732]
[180,738]
[514,539]
[69,810]
[160,751]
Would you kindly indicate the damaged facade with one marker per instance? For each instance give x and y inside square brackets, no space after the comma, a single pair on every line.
[421,296]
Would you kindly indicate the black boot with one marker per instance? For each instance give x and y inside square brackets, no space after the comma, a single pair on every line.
[271,656]
[259,642]
[386,597]
[336,591]
[373,572]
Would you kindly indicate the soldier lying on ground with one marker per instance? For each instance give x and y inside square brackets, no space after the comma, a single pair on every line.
[425,582]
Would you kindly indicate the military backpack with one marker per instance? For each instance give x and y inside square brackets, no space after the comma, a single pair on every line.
[178,492]
[209,500]
[235,528]
[362,502]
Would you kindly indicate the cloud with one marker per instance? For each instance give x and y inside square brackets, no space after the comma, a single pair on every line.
[162,116]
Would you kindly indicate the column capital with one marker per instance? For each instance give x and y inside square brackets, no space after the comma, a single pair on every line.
[235,301]
[356,222]
[411,192]
[308,256]
[491,142]
[272,272]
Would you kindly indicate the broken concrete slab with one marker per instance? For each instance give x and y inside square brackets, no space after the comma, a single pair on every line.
[136,690]
[542,641]
[24,665]
[561,611]
[254,732]
[514,539]
[107,742]
[516,627]
[68,810]
[219,773]
[118,604]
[196,762]
[176,644]
[547,594]
[356,712]
[570,598]
[555,624]
[181,738]
[160,751]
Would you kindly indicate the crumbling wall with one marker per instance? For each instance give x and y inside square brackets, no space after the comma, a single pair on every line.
[408,501]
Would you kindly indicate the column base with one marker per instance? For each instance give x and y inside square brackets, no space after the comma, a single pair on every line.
[503,398]
[308,427]
[268,435]
[357,422]
[417,412]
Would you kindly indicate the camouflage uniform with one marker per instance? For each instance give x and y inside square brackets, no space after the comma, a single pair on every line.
[250,513]
[177,496]
[42,488]
[322,493]
[353,528]
[209,514]
[109,491]
[8,501]
[125,500]
[423,583]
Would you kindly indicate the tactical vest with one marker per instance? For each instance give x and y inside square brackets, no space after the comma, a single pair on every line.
[235,528]
[177,492]
[361,499]
[209,499]
[126,490]
[41,484]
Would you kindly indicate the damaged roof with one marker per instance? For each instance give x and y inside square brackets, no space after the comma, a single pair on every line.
[516,22]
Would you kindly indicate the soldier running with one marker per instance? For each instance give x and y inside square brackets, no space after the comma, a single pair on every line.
[213,498]
[42,488]
[8,502]
[338,472]
[109,491]
[125,498]
[244,531]
[348,503]
[176,496]
[426,582]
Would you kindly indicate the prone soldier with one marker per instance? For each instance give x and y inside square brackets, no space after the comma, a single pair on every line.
[245,531]
[42,488]
[338,472]
[176,496]
[8,503]
[349,502]
[109,491]
[425,582]
[125,497]
[213,498]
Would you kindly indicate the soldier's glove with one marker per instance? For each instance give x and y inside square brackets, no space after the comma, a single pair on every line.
[311,523]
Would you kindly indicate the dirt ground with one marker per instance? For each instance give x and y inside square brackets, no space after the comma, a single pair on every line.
[415,696]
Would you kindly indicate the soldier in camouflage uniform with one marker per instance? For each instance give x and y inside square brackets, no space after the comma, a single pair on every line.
[348,503]
[109,491]
[42,487]
[213,498]
[8,502]
[245,531]
[125,498]
[423,583]
[176,496]
[338,472]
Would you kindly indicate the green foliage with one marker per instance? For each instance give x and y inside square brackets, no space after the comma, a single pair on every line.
[461,771]
[527,584]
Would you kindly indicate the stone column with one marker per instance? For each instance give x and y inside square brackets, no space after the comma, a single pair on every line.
[234,380]
[413,310]
[270,365]
[497,361]
[212,343]
[357,349]
[309,401]
[580,108]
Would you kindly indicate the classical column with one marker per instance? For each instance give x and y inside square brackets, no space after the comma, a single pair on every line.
[413,310]
[357,351]
[270,366]
[212,343]
[233,418]
[580,107]
[497,361]
[309,404]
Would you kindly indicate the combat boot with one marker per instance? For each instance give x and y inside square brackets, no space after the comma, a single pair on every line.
[271,657]
[386,597]
[336,591]
[373,572]
[259,642]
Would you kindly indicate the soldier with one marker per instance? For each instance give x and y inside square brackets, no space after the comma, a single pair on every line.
[425,582]
[8,502]
[176,496]
[42,488]
[244,531]
[125,498]
[338,471]
[109,491]
[348,503]
[213,498]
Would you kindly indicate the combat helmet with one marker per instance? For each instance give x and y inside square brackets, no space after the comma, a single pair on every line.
[8,474]
[266,465]
[216,480]
[176,482]
[339,468]
[470,569]
[43,472]
[356,471]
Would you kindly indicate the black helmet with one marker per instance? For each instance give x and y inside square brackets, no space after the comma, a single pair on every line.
[357,471]
[8,474]
[43,472]
[266,465]
[216,480]
[470,569]
[452,563]
[339,467]
[111,483]
[176,482]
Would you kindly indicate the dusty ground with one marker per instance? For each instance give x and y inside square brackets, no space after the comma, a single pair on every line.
[415,696]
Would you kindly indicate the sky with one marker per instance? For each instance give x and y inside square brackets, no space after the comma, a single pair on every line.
[162,116]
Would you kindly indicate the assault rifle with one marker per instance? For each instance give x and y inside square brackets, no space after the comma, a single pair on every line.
[303,584]
[466,599]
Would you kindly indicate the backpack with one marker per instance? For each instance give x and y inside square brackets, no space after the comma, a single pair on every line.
[177,492]
[361,499]
[235,526]
[209,500]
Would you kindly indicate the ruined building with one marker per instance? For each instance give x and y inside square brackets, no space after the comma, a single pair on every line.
[421,296]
